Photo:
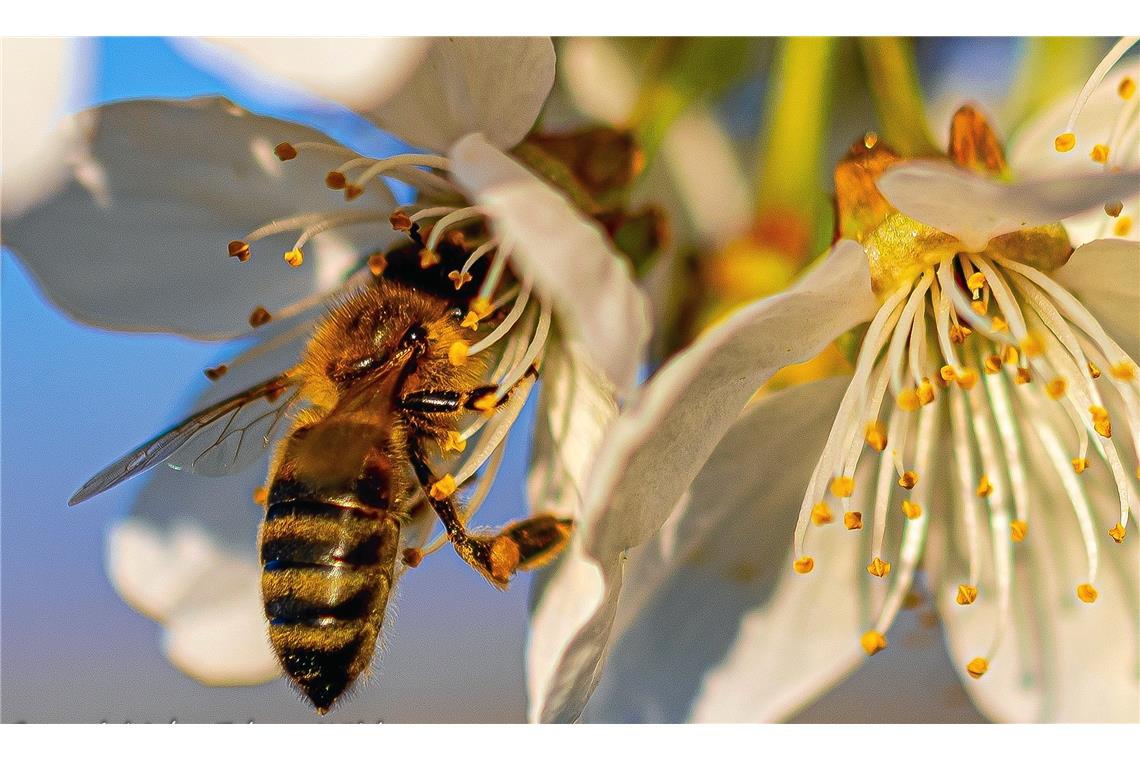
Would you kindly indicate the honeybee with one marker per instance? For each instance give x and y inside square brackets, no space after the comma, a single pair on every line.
[375,400]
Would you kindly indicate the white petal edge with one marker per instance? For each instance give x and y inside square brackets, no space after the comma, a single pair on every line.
[493,85]
[655,449]
[207,599]
[137,239]
[358,72]
[975,209]
[720,573]
[568,256]
[41,78]
[1105,275]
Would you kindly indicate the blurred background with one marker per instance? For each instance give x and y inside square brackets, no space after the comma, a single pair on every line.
[74,397]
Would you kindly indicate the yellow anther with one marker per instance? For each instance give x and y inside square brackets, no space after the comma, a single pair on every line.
[1065,142]
[985,487]
[454,442]
[853,520]
[820,514]
[1101,422]
[878,568]
[911,509]
[1113,208]
[428,258]
[803,565]
[1009,355]
[239,249]
[875,434]
[259,317]
[1094,371]
[978,307]
[335,181]
[1117,533]
[1099,153]
[1086,593]
[1056,388]
[873,642]
[977,667]
[908,400]
[471,321]
[261,496]
[870,140]
[352,192]
[1125,370]
[966,594]
[443,487]
[999,325]
[908,479]
[1122,227]
[1127,88]
[215,373]
[992,365]
[925,391]
[968,378]
[400,220]
[959,333]
[1022,377]
[481,306]
[1018,529]
[1080,464]
[976,282]
[457,353]
[459,278]
[295,257]
[377,263]
[947,373]
[285,151]
[1031,345]
[842,486]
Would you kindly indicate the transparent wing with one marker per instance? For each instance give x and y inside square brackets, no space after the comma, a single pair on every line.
[218,440]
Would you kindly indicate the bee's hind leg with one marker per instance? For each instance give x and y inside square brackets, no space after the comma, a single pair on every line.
[521,545]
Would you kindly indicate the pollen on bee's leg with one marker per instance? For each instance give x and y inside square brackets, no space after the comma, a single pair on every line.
[285,151]
[294,257]
[1101,422]
[215,373]
[1018,530]
[459,278]
[259,317]
[1080,464]
[908,479]
[1065,142]
[853,520]
[443,487]
[1117,533]
[1086,593]
[985,487]
[873,642]
[967,594]
[879,568]
[505,556]
[803,565]
[239,249]
[842,486]
[1122,227]
[454,442]
[457,353]
[875,434]
[911,509]
[977,667]
[821,514]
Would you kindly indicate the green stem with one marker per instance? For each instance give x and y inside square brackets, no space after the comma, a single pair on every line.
[893,81]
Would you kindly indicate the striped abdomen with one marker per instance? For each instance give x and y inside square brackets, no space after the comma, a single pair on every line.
[327,572]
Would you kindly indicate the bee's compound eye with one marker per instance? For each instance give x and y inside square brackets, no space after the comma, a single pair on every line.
[416,335]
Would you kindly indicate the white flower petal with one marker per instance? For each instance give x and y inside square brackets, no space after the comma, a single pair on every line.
[575,407]
[568,256]
[41,78]
[208,598]
[1060,660]
[976,209]
[656,448]
[359,72]
[493,85]
[717,626]
[137,239]
[1105,275]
